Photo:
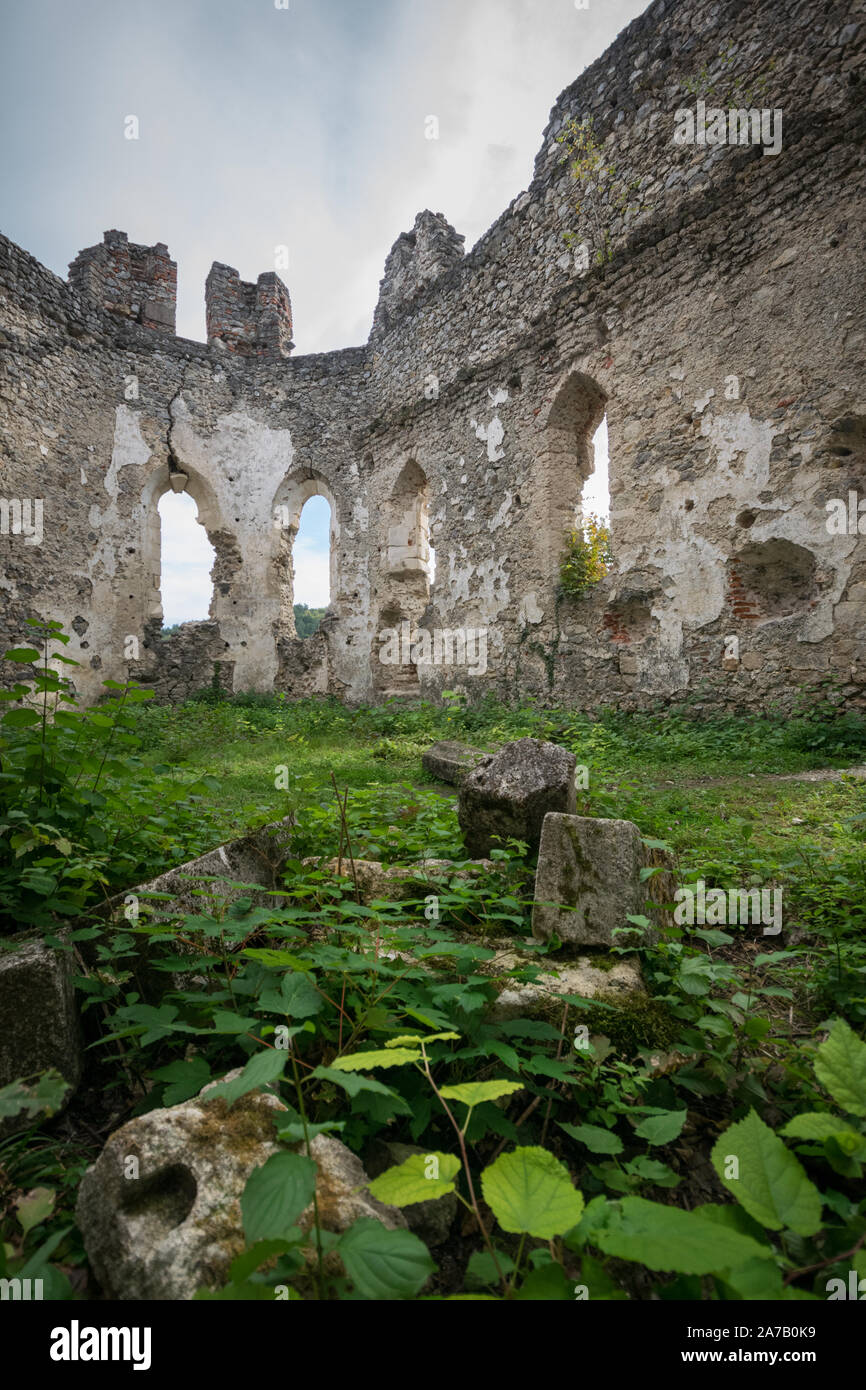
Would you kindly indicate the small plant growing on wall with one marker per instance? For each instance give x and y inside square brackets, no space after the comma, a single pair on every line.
[601,193]
[722,86]
[586,558]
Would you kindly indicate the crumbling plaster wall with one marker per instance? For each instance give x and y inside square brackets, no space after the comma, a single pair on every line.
[484,377]
[726,334]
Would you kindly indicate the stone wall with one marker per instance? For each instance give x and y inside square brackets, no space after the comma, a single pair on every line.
[707,299]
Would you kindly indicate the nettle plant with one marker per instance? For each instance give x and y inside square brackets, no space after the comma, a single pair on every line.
[753,1248]
[80,813]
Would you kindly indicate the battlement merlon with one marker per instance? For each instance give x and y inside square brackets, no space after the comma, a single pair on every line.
[252,320]
[137,282]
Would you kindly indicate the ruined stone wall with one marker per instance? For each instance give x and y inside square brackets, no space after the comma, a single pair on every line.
[707,300]
[724,339]
[94,418]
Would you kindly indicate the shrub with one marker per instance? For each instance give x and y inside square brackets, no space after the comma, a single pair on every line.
[586,557]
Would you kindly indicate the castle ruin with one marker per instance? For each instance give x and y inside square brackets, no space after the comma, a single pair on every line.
[717,321]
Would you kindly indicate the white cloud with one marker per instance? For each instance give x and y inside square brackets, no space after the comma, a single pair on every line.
[187,560]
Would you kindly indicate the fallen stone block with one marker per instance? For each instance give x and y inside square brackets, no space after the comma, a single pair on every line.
[39,1019]
[588,880]
[450,762]
[583,978]
[256,859]
[510,792]
[177,1226]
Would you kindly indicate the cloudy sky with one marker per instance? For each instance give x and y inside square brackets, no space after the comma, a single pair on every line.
[261,127]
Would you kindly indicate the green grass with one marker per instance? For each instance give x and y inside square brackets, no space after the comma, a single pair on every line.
[641,766]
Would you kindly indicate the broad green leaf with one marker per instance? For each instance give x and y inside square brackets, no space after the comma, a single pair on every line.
[225,1022]
[651,1170]
[300,998]
[815,1125]
[408,1182]
[20,718]
[474,1093]
[529,1190]
[275,1196]
[25,655]
[415,1039]
[35,1206]
[547,1283]
[662,1129]
[398,1057]
[186,1078]
[43,1097]
[295,1133]
[840,1066]
[351,1082]
[384,1264]
[481,1272]
[771,1184]
[756,1280]
[247,1263]
[262,1069]
[665,1238]
[596,1139]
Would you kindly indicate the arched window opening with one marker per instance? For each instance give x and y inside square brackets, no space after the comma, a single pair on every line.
[595,498]
[407,566]
[311,565]
[572,488]
[186,562]
[408,538]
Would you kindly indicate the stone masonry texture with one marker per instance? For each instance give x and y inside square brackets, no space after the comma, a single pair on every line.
[718,324]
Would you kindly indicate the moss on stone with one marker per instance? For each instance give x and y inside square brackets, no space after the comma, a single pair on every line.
[243,1127]
[640,1021]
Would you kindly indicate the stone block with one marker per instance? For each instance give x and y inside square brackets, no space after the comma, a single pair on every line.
[177,1225]
[588,879]
[510,792]
[450,762]
[39,1019]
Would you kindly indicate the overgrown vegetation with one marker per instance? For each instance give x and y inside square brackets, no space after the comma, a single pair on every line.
[307,620]
[586,558]
[81,814]
[702,1140]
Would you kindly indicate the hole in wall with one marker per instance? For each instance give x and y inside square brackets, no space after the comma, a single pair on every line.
[770,580]
[575,466]
[628,622]
[187,560]
[311,566]
[847,438]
